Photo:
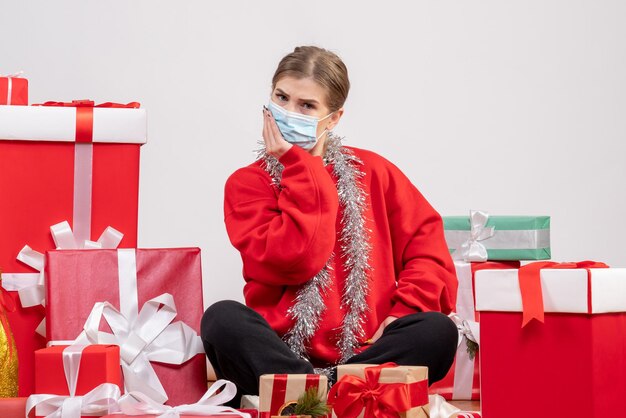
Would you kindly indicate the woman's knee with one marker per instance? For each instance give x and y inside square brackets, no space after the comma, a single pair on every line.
[443,329]
[219,318]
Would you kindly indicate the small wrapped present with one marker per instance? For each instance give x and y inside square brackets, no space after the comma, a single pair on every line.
[132,297]
[139,405]
[13,89]
[76,380]
[481,237]
[77,163]
[380,391]
[463,380]
[557,328]
[279,392]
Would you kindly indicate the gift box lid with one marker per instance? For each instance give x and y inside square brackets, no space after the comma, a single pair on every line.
[57,123]
[501,222]
[563,290]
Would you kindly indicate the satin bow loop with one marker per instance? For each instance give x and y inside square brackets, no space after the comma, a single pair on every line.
[151,336]
[472,249]
[351,395]
[137,403]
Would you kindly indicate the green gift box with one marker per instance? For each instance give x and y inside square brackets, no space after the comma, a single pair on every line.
[503,237]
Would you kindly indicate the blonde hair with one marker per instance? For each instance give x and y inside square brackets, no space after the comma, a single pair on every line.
[323,66]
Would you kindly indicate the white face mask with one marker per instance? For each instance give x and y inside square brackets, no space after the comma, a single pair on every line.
[297,129]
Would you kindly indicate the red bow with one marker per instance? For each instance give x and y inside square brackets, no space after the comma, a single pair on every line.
[530,285]
[350,395]
[91,103]
[84,115]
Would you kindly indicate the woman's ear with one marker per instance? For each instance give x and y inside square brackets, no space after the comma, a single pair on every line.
[334,119]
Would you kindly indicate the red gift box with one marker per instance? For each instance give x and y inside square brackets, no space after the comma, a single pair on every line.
[572,364]
[43,186]
[463,380]
[97,364]
[13,90]
[129,280]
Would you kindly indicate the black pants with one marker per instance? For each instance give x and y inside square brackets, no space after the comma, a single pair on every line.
[241,345]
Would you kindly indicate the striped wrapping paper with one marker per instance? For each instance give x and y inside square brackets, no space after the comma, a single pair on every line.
[278,390]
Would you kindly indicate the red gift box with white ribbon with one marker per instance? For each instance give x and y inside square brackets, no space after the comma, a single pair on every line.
[552,336]
[75,381]
[147,301]
[64,165]
[13,90]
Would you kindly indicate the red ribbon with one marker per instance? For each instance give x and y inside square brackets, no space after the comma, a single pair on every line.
[530,285]
[351,395]
[84,115]
[6,305]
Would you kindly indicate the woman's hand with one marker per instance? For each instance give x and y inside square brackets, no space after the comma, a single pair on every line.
[381,328]
[275,144]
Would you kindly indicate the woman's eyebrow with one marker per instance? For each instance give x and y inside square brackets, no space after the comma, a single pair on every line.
[279,91]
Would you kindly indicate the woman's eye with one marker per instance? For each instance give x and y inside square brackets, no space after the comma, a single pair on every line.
[308,106]
[281,97]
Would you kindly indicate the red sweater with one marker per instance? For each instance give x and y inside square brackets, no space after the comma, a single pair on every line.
[286,237]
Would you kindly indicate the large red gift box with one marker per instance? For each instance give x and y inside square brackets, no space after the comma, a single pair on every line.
[129,280]
[463,380]
[571,365]
[41,185]
[13,90]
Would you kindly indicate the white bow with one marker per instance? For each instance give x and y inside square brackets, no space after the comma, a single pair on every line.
[470,330]
[472,249]
[137,403]
[31,286]
[151,336]
[439,408]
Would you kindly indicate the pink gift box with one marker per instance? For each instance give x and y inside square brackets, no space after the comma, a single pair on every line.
[76,280]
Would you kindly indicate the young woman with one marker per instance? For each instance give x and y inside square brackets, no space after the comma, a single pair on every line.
[344,260]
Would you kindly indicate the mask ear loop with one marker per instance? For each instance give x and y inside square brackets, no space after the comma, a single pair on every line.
[325,130]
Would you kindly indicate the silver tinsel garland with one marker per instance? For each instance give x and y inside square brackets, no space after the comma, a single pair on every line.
[355,249]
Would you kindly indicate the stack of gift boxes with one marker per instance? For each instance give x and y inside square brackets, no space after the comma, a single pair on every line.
[101,326]
[72,275]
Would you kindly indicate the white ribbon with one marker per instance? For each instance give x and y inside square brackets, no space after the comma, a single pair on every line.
[439,408]
[10,84]
[151,336]
[472,249]
[137,403]
[103,399]
[31,286]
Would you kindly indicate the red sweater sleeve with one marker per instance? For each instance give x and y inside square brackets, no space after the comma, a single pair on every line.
[427,279]
[285,237]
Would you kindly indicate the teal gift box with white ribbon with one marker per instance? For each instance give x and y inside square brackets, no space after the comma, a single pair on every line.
[480,237]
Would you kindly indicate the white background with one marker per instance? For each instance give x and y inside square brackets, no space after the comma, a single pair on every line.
[514,107]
